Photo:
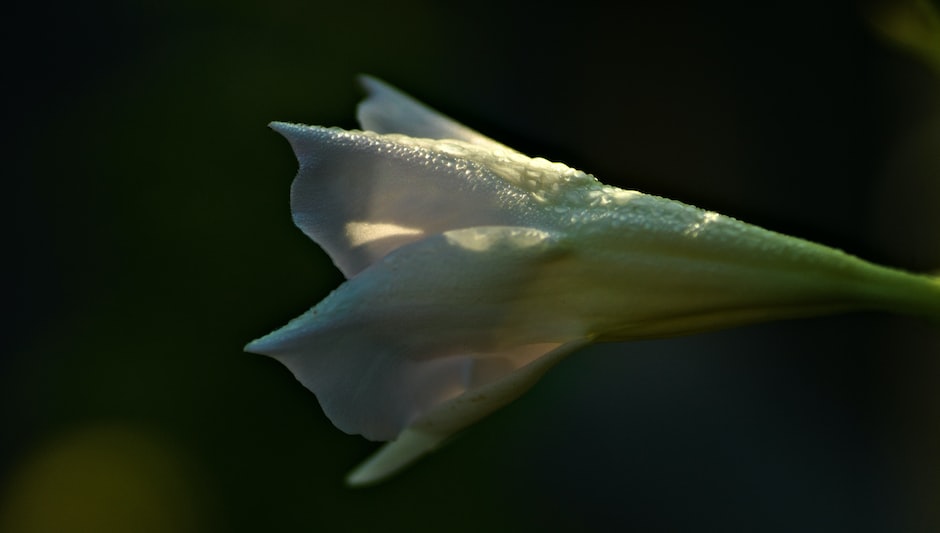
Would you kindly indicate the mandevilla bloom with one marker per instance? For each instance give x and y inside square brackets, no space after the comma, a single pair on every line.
[472,269]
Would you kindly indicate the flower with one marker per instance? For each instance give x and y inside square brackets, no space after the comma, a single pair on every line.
[472,269]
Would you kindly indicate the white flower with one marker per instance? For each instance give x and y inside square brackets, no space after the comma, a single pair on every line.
[472,269]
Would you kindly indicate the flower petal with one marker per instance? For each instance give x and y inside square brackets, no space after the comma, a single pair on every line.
[388,110]
[432,321]
[360,195]
[428,431]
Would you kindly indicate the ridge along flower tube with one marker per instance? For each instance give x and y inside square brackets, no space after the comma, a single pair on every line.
[472,269]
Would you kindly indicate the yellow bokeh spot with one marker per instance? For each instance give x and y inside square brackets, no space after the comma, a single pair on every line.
[112,479]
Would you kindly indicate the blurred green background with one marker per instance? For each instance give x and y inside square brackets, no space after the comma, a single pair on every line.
[151,239]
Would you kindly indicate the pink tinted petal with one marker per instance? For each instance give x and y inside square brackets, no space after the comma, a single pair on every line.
[430,322]
[388,110]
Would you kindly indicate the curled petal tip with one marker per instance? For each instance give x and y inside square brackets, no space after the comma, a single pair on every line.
[393,456]
[260,346]
[279,126]
[292,132]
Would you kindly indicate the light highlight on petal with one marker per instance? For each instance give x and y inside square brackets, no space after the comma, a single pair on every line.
[360,233]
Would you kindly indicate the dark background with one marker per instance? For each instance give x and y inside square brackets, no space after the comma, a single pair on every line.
[151,239]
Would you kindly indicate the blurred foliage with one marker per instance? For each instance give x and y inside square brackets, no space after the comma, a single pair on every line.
[152,239]
[912,24]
